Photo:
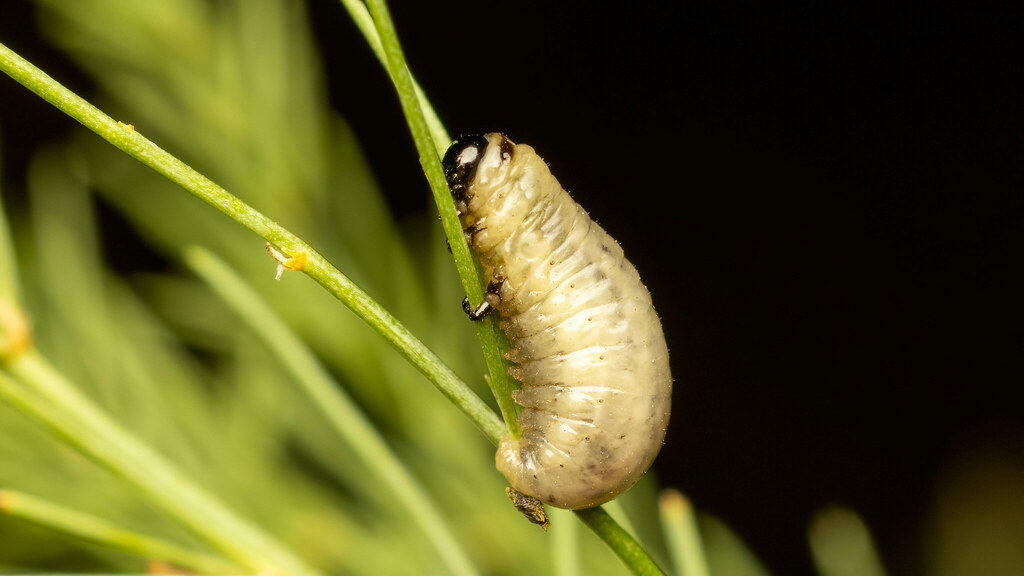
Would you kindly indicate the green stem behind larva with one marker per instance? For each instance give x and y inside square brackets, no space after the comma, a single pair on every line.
[492,341]
[620,541]
[364,22]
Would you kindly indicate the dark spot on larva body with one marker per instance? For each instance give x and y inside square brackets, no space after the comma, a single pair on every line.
[507,149]
[471,231]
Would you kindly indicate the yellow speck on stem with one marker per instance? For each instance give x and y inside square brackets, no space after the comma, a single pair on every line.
[287,259]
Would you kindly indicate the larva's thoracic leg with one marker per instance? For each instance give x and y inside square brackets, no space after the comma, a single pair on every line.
[492,299]
[471,231]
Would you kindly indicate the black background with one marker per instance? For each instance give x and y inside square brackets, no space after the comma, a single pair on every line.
[826,206]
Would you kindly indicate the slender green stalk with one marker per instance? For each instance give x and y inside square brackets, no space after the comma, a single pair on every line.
[841,544]
[684,543]
[96,530]
[492,341]
[316,267]
[347,420]
[621,542]
[364,22]
[618,513]
[45,396]
[565,548]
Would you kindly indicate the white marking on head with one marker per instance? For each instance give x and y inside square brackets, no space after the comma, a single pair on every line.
[468,155]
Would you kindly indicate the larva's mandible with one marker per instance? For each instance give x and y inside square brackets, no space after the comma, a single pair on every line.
[586,342]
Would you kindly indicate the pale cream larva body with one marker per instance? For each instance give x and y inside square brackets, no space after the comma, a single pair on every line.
[586,342]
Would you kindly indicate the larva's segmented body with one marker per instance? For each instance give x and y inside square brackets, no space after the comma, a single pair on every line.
[586,342]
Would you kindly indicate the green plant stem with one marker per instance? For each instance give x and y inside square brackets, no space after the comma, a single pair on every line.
[347,420]
[565,548]
[679,523]
[492,341]
[316,267]
[92,529]
[364,22]
[43,394]
[621,542]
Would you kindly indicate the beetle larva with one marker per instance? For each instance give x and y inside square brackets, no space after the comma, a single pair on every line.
[585,340]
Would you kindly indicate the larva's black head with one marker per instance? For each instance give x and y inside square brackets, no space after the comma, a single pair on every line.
[460,162]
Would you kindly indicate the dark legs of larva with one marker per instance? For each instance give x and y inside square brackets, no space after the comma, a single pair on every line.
[530,507]
[492,298]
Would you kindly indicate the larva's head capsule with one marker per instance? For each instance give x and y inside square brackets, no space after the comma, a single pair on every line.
[460,162]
